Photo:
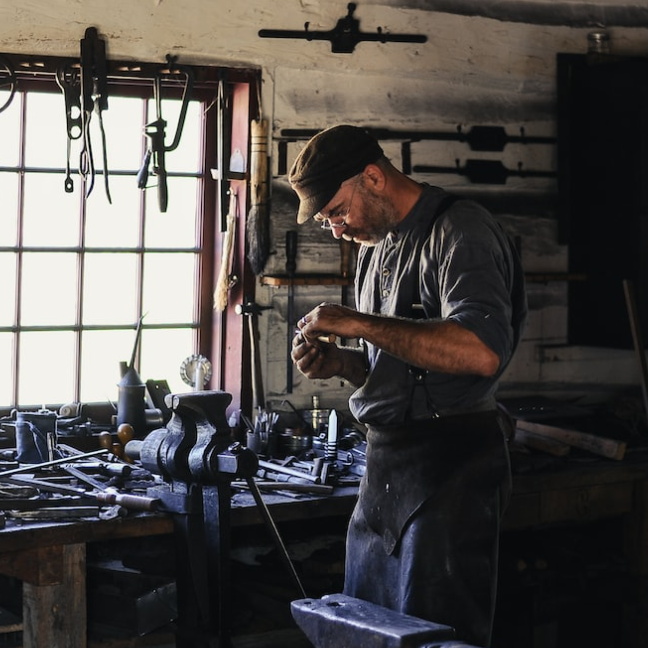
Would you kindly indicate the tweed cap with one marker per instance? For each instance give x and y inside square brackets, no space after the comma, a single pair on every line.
[328,159]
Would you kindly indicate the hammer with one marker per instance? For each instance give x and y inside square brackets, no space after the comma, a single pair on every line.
[252,311]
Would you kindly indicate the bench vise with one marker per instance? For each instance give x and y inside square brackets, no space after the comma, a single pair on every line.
[198,461]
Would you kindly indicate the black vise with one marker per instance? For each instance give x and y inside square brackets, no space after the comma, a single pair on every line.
[339,620]
[198,461]
[196,446]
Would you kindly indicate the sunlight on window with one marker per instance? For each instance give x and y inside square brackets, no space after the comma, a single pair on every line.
[177,226]
[48,374]
[51,216]
[86,268]
[9,208]
[123,127]
[9,150]
[110,288]
[6,364]
[103,351]
[163,352]
[169,288]
[7,288]
[46,131]
[186,157]
[48,295]
[118,224]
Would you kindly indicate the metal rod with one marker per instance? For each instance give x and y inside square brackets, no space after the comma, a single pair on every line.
[275,533]
[55,462]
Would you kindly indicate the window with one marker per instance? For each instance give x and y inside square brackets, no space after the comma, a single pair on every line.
[81,272]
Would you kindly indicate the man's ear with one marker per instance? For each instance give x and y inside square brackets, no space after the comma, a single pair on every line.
[374,177]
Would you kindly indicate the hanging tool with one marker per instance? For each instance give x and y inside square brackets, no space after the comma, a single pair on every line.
[256,224]
[7,80]
[68,79]
[345,35]
[94,98]
[225,277]
[252,312]
[155,131]
[291,267]
[484,171]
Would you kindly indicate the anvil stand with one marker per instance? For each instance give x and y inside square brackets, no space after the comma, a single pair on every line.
[196,458]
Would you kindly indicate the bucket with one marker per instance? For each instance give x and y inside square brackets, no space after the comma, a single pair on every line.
[35,436]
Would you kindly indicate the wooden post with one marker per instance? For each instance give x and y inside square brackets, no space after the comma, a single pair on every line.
[54,614]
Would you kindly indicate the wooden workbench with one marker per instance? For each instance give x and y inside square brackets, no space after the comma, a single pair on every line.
[50,558]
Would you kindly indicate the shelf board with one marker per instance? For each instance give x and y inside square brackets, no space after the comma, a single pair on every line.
[307,280]
[337,280]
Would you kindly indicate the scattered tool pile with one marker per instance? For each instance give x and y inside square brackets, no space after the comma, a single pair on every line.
[76,485]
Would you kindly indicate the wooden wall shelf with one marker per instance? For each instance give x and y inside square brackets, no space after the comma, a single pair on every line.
[307,280]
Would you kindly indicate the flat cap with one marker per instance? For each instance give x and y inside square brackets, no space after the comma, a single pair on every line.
[328,159]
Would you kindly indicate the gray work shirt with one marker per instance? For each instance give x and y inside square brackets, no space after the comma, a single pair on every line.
[463,269]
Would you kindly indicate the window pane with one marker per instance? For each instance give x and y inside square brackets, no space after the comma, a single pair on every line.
[101,354]
[6,375]
[48,293]
[8,206]
[117,224]
[10,124]
[46,367]
[177,227]
[186,157]
[46,131]
[51,216]
[123,125]
[7,289]
[163,352]
[169,288]
[110,289]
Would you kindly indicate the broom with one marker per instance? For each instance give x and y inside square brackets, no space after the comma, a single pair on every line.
[256,226]
[223,282]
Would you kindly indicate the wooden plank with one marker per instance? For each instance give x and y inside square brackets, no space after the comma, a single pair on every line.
[38,566]
[599,445]
[542,443]
[586,504]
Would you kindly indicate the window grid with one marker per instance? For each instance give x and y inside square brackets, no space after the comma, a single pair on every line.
[22,251]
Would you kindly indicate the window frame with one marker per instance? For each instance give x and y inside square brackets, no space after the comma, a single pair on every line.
[220,336]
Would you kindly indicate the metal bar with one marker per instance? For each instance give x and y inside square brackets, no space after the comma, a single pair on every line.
[275,533]
[27,468]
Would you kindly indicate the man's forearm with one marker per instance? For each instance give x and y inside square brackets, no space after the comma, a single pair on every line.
[432,345]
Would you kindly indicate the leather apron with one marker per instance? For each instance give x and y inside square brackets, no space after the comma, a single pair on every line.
[409,465]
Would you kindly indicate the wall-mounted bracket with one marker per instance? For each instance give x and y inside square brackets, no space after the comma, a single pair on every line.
[345,35]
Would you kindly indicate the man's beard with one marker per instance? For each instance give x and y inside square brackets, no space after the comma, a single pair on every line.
[379,217]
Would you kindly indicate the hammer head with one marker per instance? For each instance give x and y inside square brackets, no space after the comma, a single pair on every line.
[339,620]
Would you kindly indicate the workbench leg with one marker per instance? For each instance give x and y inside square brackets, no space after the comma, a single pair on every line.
[636,541]
[55,615]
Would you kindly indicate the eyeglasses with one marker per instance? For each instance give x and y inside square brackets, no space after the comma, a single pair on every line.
[325,221]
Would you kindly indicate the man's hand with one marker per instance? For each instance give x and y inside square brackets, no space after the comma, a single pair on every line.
[316,358]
